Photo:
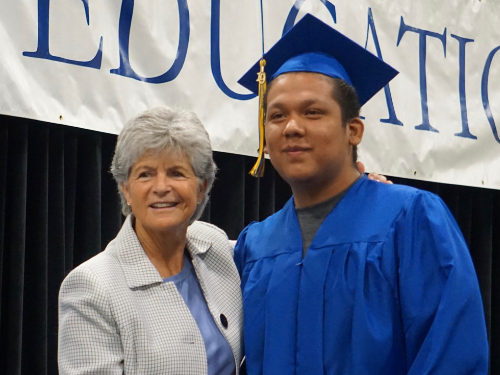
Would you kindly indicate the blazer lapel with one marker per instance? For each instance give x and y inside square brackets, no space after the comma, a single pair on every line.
[196,245]
[137,268]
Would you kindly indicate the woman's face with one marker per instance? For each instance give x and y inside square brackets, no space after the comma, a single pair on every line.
[163,191]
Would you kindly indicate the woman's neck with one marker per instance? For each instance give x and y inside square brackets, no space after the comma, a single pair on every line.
[165,249]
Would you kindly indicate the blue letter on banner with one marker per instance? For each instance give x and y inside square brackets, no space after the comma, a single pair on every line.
[42,51]
[484,93]
[461,84]
[126,69]
[215,55]
[292,15]
[423,34]
[393,119]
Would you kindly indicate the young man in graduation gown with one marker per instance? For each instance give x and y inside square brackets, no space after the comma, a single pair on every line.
[351,276]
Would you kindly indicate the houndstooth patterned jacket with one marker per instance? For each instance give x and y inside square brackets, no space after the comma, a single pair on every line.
[116,316]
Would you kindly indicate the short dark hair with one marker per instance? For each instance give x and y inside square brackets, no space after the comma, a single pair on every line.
[347,98]
[345,95]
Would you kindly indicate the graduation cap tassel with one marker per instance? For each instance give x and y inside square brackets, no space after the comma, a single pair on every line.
[258,168]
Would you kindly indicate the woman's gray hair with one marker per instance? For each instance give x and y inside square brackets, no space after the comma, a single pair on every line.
[161,129]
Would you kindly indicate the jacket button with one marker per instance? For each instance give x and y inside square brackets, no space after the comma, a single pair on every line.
[223,320]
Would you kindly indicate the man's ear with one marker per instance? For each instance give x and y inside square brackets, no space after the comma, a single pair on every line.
[356,129]
[265,150]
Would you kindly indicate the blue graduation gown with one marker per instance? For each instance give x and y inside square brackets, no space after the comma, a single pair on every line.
[386,287]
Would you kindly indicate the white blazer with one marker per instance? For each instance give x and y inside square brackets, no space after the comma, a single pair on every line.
[117,316]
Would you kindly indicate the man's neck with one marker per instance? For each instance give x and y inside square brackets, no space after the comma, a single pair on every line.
[313,192]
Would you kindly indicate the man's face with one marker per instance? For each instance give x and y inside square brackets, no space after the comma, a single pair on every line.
[305,138]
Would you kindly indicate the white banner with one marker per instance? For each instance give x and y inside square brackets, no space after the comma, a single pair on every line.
[94,64]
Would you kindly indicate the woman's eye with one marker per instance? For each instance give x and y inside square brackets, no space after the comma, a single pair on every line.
[177,174]
[144,175]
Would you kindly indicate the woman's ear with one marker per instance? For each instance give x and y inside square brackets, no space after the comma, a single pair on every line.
[356,129]
[202,189]
[124,190]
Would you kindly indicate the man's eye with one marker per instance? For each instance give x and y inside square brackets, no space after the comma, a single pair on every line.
[313,112]
[277,116]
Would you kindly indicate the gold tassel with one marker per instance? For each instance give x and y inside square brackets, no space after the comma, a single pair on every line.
[258,168]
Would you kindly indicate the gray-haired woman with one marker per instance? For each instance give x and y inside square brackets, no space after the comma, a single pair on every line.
[164,296]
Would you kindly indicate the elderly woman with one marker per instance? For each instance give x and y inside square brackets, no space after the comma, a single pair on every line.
[164,296]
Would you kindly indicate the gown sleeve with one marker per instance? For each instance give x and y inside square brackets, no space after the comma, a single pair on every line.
[239,249]
[441,305]
[89,342]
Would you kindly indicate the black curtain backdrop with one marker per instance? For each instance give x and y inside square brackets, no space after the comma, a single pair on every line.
[59,207]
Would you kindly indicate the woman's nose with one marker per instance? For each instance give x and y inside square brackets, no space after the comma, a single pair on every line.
[162,184]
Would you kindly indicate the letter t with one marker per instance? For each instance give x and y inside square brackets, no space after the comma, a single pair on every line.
[423,34]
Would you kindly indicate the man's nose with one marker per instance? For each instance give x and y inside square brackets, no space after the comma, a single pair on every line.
[294,128]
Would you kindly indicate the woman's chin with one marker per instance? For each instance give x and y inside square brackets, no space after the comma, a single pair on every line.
[163,222]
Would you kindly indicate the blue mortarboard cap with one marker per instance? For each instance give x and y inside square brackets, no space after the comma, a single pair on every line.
[314,62]
[313,46]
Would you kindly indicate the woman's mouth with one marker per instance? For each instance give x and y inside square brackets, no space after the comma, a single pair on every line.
[163,204]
